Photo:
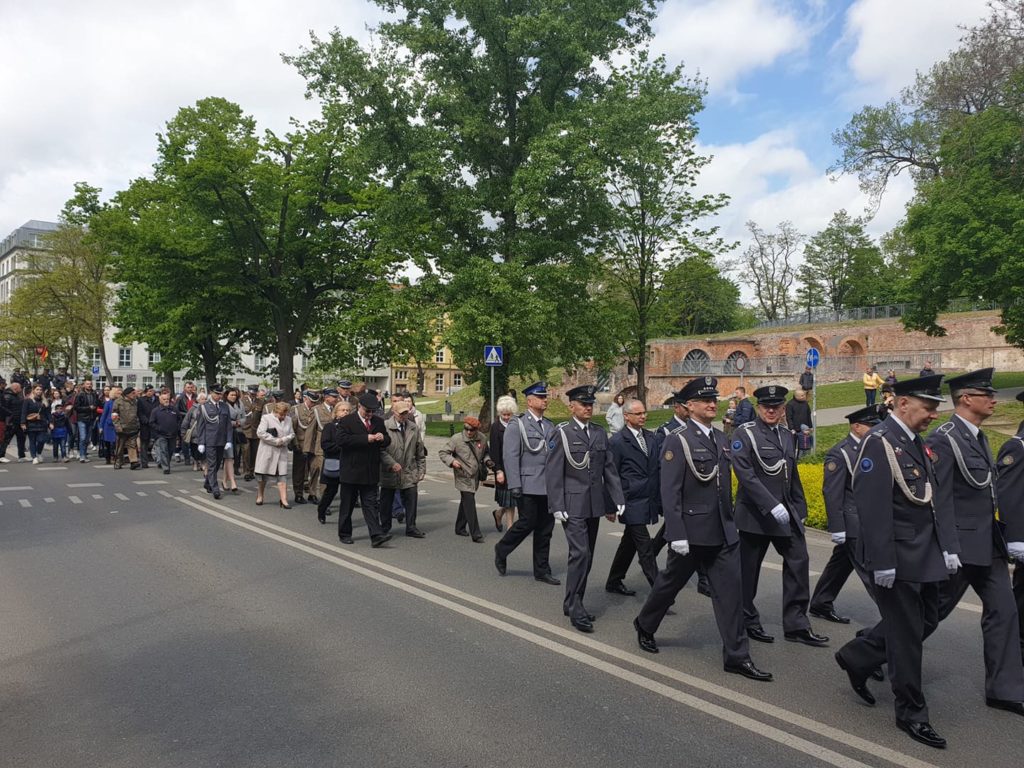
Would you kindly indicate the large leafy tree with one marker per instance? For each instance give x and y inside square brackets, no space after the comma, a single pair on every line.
[966,227]
[696,298]
[768,267]
[492,145]
[842,265]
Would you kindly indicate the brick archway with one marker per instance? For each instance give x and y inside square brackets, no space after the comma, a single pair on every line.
[815,343]
[851,348]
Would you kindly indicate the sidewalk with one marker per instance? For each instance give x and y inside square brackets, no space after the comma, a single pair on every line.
[829,416]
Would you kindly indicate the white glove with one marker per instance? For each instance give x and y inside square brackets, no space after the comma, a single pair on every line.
[885,578]
[562,517]
[1016,549]
[620,510]
[780,514]
[227,446]
[681,547]
[839,538]
[952,562]
[202,449]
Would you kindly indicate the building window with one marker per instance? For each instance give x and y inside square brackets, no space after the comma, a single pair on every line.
[439,356]
[124,357]
[259,362]
[147,381]
[457,380]
[439,382]
[401,375]
[100,383]
[118,381]
[734,365]
[154,358]
[696,361]
[94,353]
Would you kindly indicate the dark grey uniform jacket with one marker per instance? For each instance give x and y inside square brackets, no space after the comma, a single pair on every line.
[837,489]
[1010,486]
[758,491]
[524,469]
[699,512]
[581,492]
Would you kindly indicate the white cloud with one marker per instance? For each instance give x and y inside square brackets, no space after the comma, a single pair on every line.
[87,86]
[726,39]
[891,41]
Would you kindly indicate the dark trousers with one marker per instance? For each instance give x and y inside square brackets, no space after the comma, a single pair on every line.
[636,540]
[910,613]
[466,515]
[214,462]
[1018,594]
[323,505]
[837,570]
[409,497]
[367,495]
[533,518]
[796,588]
[659,544]
[14,432]
[581,536]
[251,447]
[722,565]
[1000,632]
[300,471]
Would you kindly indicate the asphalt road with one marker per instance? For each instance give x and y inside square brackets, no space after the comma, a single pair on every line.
[144,623]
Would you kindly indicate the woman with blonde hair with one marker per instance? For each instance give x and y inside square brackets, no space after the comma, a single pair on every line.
[274,432]
[505,514]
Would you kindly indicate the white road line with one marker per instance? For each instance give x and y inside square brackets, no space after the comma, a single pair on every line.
[150,482]
[113,511]
[75,500]
[25,502]
[121,496]
[16,488]
[49,469]
[48,500]
[97,496]
[85,485]
[141,493]
[700,704]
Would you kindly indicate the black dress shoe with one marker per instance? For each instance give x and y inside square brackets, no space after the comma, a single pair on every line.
[583,625]
[345,539]
[321,518]
[878,675]
[416,533]
[312,498]
[620,589]
[1010,706]
[547,578]
[500,564]
[378,541]
[478,539]
[216,495]
[829,614]
[704,587]
[462,533]
[590,617]
[749,671]
[299,499]
[807,637]
[922,732]
[859,685]
[758,633]
[167,471]
[644,638]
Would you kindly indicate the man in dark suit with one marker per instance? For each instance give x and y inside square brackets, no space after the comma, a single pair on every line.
[213,436]
[965,475]
[696,495]
[636,460]
[908,542]
[363,438]
[526,446]
[1010,492]
[580,476]
[770,511]
[843,520]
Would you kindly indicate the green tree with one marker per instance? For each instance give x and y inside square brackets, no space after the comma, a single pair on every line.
[768,267]
[490,145]
[842,266]
[966,226]
[696,298]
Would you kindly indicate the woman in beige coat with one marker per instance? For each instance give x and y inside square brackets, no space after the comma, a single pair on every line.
[467,455]
[274,433]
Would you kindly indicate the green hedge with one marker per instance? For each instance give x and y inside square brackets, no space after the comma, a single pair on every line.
[811,476]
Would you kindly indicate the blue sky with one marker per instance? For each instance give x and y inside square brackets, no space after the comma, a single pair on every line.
[93,83]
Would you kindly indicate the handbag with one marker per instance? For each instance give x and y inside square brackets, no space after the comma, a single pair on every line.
[331,468]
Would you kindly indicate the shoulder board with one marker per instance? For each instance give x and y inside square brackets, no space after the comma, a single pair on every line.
[682,427]
[949,426]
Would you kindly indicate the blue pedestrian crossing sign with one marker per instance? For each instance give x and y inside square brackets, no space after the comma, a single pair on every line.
[813,357]
[95,370]
[493,356]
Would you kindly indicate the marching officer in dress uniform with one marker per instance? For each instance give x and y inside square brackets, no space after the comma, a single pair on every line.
[908,542]
[579,472]
[770,510]
[636,461]
[213,436]
[696,496]
[323,414]
[252,403]
[306,437]
[1010,492]
[843,521]
[525,455]
[965,479]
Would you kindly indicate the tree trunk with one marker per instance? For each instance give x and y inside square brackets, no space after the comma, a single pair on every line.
[169,380]
[285,362]
[103,362]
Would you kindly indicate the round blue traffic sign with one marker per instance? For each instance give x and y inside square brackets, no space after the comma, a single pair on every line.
[813,357]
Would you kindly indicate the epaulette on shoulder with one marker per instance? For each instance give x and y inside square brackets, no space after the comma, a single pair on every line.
[563,425]
[946,428]
[682,427]
[748,425]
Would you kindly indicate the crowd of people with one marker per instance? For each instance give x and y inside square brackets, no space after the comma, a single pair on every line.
[915,520]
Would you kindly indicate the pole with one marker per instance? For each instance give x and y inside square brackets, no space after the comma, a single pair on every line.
[492,394]
[814,411]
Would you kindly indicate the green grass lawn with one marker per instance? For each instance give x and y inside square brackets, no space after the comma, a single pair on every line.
[848,393]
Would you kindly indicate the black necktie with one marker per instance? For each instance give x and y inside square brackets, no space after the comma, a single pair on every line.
[984,446]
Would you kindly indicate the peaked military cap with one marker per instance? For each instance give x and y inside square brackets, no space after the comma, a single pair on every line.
[773,394]
[869,415]
[583,395]
[329,392]
[973,380]
[538,389]
[254,388]
[701,388]
[277,394]
[924,387]
[218,388]
[345,384]
[313,395]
